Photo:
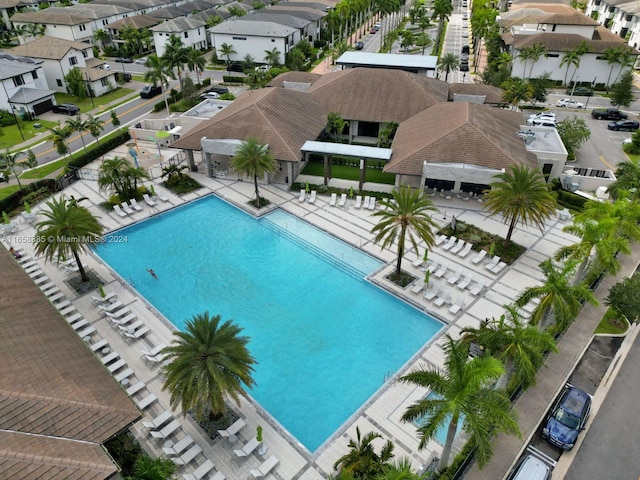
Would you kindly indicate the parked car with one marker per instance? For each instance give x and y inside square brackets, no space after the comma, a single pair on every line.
[359,45]
[150,91]
[66,108]
[609,113]
[531,468]
[373,30]
[219,89]
[569,103]
[123,60]
[235,67]
[628,125]
[208,95]
[141,61]
[465,49]
[568,417]
[580,91]
[543,114]
[105,66]
[465,17]
[377,26]
[542,122]
[123,76]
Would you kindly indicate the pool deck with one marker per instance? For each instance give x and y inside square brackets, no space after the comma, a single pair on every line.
[383,411]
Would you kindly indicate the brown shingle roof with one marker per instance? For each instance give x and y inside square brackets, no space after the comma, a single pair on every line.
[48,18]
[563,42]
[48,47]
[492,94]
[378,95]
[569,18]
[284,119]
[459,133]
[300,77]
[52,387]
[137,21]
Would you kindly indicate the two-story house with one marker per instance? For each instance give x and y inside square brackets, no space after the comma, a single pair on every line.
[59,25]
[191,30]
[24,87]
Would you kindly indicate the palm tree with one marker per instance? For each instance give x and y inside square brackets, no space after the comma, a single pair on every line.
[424,40]
[406,214]
[627,179]
[516,90]
[195,61]
[227,50]
[612,56]
[627,59]
[79,126]
[95,126]
[69,228]
[158,72]
[537,51]
[272,57]
[449,62]
[11,161]
[209,361]
[101,36]
[253,159]
[572,58]
[407,39]
[362,461]
[441,10]
[511,340]
[462,389]
[557,296]
[119,175]
[59,137]
[176,55]
[520,194]
[148,468]
[398,470]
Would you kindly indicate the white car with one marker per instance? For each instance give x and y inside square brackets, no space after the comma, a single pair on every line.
[209,95]
[542,122]
[105,66]
[141,61]
[569,103]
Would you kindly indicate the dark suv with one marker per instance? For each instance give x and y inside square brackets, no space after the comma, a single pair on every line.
[219,89]
[628,125]
[150,91]
[568,417]
[67,108]
[608,113]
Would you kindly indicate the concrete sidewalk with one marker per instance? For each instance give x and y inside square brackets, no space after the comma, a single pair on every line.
[533,404]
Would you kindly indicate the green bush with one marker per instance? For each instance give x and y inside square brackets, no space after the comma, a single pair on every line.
[571,200]
[206,82]
[95,151]
[231,79]
[6,118]
[15,201]
[227,96]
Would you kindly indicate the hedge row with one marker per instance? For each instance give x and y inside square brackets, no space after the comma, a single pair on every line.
[230,79]
[14,201]
[96,151]
[571,200]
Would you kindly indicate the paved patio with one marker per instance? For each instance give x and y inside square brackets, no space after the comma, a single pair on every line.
[383,411]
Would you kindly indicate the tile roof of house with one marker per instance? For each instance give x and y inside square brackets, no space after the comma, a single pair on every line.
[378,95]
[93,12]
[46,18]
[492,94]
[290,19]
[9,3]
[25,95]
[180,24]
[552,7]
[57,401]
[284,119]
[97,73]
[297,77]
[51,48]
[169,13]
[459,132]
[568,18]
[137,21]
[563,42]
[632,8]
[11,67]
[304,12]
[256,29]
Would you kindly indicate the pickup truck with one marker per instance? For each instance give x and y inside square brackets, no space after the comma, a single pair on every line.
[608,113]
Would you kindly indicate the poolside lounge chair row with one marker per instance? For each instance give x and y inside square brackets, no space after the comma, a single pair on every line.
[495,265]
[369,202]
[454,245]
[311,198]
[125,209]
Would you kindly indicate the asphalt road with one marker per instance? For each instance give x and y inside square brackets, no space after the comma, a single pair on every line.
[611,445]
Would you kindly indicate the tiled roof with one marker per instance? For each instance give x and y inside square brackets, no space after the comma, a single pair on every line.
[256,29]
[459,133]
[492,94]
[26,95]
[284,119]
[9,3]
[304,12]
[569,18]
[137,21]
[563,42]
[378,95]
[46,18]
[49,47]
[298,77]
[552,7]
[52,388]
[180,24]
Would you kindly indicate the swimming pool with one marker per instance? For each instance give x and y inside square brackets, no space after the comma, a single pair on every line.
[324,337]
[441,434]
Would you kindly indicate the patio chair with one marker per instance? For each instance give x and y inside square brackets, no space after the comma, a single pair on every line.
[465,282]
[431,293]
[111,307]
[125,206]
[110,357]
[433,266]
[466,250]
[80,324]
[233,429]
[372,203]
[133,389]
[477,288]
[457,306]
[138,333]
[367,200]
[124,374]
[479,257]
[248,449]
[117,365]
[312,197]
[118,210]
[168,430]
[453,279]
[99,345]
[333,200]
[440,239]
[498,267]
[122,321]
[492,263]
[443,298]
[159,420]
[104,299]
[417,288]
[146,401]
[302,195]
[452,241]
[131,328]
[148,200]
[87,332]
[118,313]
[458,247]
[358,201]
[134,205]
[162,197]
[200,472]
[266,467]
[189,455]
[343,200]
[442,270]
[417,263]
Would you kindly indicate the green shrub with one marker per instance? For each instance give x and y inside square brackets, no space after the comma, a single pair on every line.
[206,82]
[571,200]
[95,151]
[15,200]
[227,96]
[457,462]
[6,119]
[230,79]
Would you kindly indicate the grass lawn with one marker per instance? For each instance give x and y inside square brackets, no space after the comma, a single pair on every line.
[85,104]
[6,191]
[632,156]
[45,169]
[612,323]
[349,173]
[11,135]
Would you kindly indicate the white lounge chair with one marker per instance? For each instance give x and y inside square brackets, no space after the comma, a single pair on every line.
[106,298]
[453,279]
[133,389]
[417,263]
[148,200]
[179,447]
[358,201]
[302,196]
[466,250]
[431,293]
[189,455]
[118,313]
[125,206]
[233,429]
[248,449]
[138,333]
[156,350]
[117,365]
[111,307]
[442,270]
[131,328]
[264,469]
[433,266]
[87,332]
[417,288]
[333,200]
[343,200]
[372,203]
[458,247]
[99,345]
[492,263]
[199,472]
[134,205]
[168,430]
[443,298]
[498,267]
[440,239]
[124,374]
[457,306]
[367,199]
[312,197]
[110,357]
[477,288]
[159,420]
[122,321]
[465,282]
[118,210]
[479,257]
[162,197]
[452,241]
[146,401]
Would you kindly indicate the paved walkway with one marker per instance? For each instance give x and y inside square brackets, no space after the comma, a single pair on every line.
[383,411]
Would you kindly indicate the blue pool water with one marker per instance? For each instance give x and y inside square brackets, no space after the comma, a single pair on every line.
[323,336]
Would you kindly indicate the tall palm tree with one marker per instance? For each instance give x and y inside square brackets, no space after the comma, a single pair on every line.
[272,57]
[195,61]
[627,59]
[520,194]
[95,126]
[227,50]
[101,36]
[362,462]
[12,161]
[406,214]
[449,62]
[69,228]
[612,56]
[463,389]
[399,469]
[516,90]
[557,295]
[627,179]
[572,58]
[209,361]
[120,176]
[441,10]
[59,137]
[253,159]
[537,50]
[176,55]
[158,73]
[511,340]
[79,125]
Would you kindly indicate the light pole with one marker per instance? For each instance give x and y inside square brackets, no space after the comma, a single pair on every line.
[13,110]
[89,89]
[589,97]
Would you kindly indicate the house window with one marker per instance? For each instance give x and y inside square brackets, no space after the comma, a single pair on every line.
[612,9]
[18,80]
[104,81]
[186,34]
[273,40]
[58,82]
[34,75]
[553,55]
[73,61]
[623,32]
[239,38]
[198,31]
[85,54]
[598,2]
[628,18]
[83,28]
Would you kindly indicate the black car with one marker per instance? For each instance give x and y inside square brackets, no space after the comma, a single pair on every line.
[67,108]
[219,89]
[124,77]
[359,45]
[629,125]
[150,91]
[608,114]
[235,67]
[465,50]
[123,60]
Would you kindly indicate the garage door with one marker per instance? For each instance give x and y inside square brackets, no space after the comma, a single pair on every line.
[43,107]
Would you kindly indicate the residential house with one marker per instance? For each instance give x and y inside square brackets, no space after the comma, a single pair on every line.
[24,86]
[304,26]
[60,56]
[191,30]
[253,38]
[100,15]
[315,15]
[622,17]
[59,25]
[7,9]
[137,21]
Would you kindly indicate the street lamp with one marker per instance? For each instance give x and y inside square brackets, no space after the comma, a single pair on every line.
[15,117]
[90,90]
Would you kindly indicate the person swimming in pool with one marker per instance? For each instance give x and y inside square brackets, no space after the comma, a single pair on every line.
[152,273]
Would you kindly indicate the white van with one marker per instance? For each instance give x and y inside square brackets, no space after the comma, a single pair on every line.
[531,468]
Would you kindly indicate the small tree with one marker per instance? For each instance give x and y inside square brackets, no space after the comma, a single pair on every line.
[336,125]
[76,83]
[574,133]
[12,161]
[115,121]
[295,59]
[623,297]
[516,90]
[621,92]
[541,85]
[227,50]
